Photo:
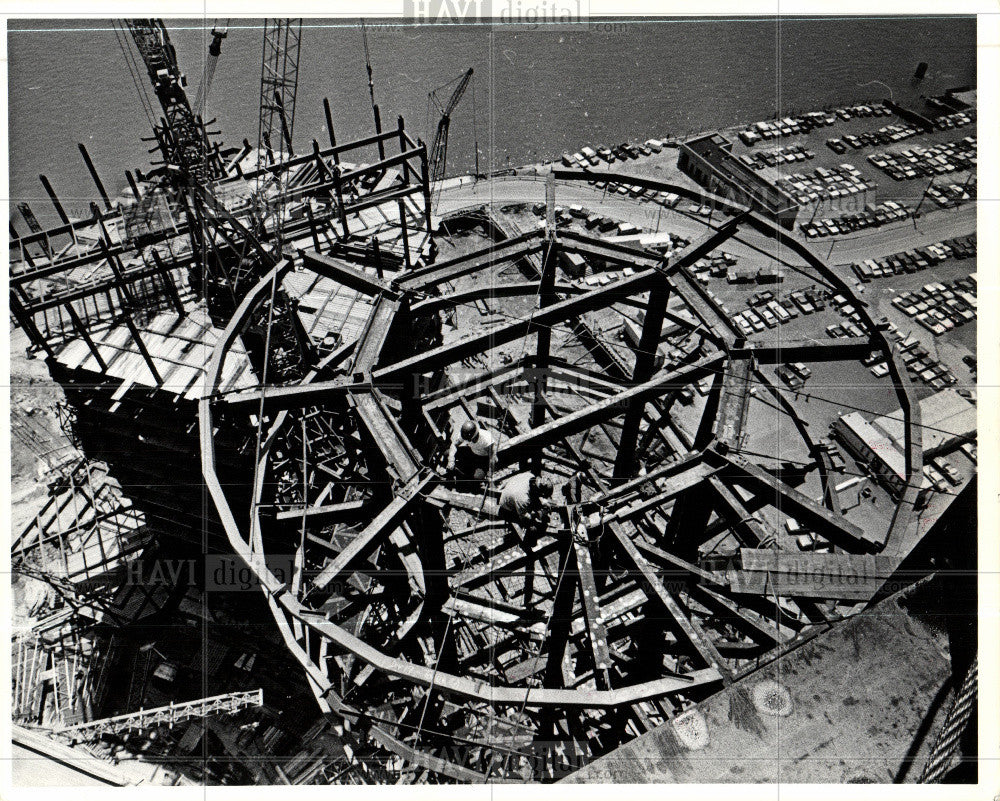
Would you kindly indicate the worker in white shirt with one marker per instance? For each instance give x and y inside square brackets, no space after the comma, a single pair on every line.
[526,499]
[472,451]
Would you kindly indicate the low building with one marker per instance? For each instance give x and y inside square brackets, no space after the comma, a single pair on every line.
[947,420]
[741,275]
[874,449]
[709,160]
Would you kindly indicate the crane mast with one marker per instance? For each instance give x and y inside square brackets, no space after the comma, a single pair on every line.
[279,81]
[193,163]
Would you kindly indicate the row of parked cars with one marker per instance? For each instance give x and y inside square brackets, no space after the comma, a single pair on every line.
[957,120]
[715,265]
[920,162]
[940,307]
[825,183]
[885,135]
[591,157]
[803,123]
[918,361]
[925,367]
[950,195]
[776,157]
[852,325]
[794,375]
[667,199]
[764,310]
[911,261]
[871,217]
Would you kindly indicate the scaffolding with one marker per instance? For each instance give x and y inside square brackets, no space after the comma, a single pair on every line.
[169,715]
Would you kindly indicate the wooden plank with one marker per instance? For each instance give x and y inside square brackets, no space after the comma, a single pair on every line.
[74,354]
[110,345]
[814,575]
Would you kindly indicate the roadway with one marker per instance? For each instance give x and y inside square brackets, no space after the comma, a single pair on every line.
[932,227]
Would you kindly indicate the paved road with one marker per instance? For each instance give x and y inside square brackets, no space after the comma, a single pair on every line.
[932,227]
[503,191]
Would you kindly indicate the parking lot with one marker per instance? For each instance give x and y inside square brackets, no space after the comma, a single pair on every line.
[950,348]
[935,160]
[940,307]
[864,130]
[843,182]
[870,217]
[916,259]
[789,154]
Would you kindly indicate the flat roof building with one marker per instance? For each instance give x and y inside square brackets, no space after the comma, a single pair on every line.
[709,160]
[874,448]
[947,418]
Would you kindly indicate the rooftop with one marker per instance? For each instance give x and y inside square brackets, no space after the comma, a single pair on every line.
[945,415]
[877,442]
[885,668]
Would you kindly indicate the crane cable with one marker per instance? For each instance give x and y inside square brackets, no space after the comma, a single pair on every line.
[144,100]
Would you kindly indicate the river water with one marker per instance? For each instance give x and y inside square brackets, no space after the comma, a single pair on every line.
[535,93]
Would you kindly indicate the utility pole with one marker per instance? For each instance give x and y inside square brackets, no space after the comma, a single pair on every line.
[916,211]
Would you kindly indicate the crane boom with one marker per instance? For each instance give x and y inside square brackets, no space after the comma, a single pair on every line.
[459,91]
[182,137]
[439,149]
[368,63]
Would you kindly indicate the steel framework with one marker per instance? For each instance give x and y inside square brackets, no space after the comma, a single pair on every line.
[472,647]
[169,715]
[279,81]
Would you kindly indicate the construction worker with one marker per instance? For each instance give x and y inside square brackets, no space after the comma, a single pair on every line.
[525,499]
[472,450]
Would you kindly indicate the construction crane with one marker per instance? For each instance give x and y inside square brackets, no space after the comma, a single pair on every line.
[194,164]
[368,63]
[371,89]
[214,50]
[439,150]
[279,81]
[181,135]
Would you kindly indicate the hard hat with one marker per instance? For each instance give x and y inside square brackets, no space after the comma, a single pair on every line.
[544,487]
